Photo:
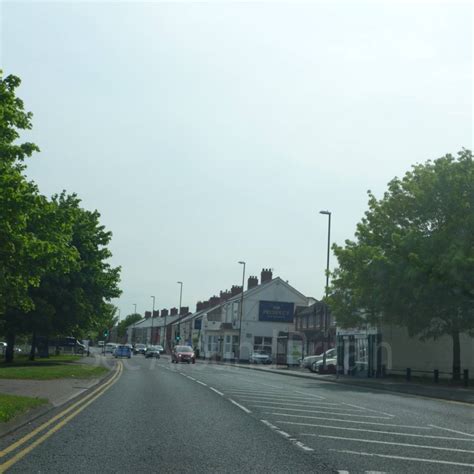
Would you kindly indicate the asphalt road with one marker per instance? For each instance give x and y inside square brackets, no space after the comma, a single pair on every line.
[163,417]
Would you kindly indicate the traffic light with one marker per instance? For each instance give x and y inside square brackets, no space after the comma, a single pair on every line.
[177,338]
[106,332]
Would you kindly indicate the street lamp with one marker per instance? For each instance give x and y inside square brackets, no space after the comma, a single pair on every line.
[326,329]
[241,308]
[152,314]
[135,310]
[179,310]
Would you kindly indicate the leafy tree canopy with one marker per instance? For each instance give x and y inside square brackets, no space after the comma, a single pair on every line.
[130,319]
[412,262]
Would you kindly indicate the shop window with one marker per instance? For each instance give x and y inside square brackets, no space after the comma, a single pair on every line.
[262,344]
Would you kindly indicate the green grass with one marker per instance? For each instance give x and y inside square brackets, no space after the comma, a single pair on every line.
[13,405]
[56,367]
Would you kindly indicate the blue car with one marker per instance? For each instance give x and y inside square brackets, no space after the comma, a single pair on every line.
[122,351]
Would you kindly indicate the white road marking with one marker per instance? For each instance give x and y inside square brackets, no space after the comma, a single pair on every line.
[403,458]
[453,431]
[201,383]
[392,433]
[246,410]
[311,395]
[294,400]
[273,427]
[287,436]
[332,413]
[408,445]
[352,421]
[368,409]
[306,410]
[191,378]
[217,391]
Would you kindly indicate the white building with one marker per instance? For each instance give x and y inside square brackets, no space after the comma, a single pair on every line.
[268,310]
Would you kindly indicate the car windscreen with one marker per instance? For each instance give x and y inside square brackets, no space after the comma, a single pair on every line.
[183,349]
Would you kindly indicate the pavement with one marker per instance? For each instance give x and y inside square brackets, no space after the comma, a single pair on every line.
[430,390]
[58,392]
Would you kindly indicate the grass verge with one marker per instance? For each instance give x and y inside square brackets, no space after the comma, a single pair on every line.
[13,405]
[56,367]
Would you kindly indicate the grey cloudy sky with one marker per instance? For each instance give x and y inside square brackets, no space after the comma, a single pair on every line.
[207,133]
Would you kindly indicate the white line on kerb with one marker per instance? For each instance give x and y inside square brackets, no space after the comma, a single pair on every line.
[201,383]
[439,448]
[403,458]
[453,431]
[246,410]
[217,391]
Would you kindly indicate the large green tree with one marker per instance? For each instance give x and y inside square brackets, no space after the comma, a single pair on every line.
[412,263]
[72,299]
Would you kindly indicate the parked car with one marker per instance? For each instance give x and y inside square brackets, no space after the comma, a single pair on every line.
[122,351]
[161,349]
[260,357]
[308,361]
[139,349]
[152,351]
[331,366]
[110,347]
[183,354]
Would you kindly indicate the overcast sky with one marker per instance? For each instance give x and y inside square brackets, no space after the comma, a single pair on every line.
[208,133]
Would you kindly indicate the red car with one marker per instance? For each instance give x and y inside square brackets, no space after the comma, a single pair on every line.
[183,354]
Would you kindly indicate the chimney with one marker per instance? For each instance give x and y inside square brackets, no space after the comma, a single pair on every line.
[173,311]
[235,290]
[225,295]
[164,313]
[252,282]
[156,313]
[266,275]
[214,301]
[147,314]
[183,310]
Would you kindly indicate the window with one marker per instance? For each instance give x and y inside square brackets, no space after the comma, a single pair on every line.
[212,343]
[262,344]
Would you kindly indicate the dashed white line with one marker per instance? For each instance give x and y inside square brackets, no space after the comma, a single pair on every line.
[246,410]
[217,391]
[191,378]
[332,413]
[403,458]
[408,445]
[201,383]
[287,436]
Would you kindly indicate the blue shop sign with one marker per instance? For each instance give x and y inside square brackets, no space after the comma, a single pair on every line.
[276,312]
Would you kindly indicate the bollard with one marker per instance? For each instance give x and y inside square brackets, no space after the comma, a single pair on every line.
[408,374]
[436,375]
[466,377]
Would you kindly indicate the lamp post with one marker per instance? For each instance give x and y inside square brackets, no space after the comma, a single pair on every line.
[152,314]
[179,310]
[135,310]
[326,329]
[241,308]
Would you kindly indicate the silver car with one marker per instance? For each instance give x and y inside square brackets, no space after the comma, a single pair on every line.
[260,357]
[308,362]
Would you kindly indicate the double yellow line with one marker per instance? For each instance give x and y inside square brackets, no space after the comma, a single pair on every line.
[73,411]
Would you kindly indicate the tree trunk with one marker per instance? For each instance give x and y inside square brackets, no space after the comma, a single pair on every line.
[10,347]
[456,356]
[33,346]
